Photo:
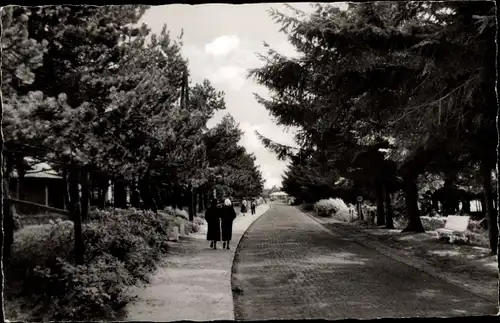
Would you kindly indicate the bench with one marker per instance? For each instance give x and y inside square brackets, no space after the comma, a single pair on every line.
[455,227]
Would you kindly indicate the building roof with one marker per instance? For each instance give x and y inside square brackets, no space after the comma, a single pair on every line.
[278,194]
[39,170]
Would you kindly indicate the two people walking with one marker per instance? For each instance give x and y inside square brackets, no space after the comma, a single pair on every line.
[220,223]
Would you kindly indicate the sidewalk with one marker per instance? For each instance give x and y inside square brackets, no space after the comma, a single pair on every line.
[194,282]
[467,266]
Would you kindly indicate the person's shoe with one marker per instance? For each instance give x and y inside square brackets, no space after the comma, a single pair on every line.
[227,246]
[211,244]
[224,245]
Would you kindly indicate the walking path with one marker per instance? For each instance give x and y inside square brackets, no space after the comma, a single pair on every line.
[194,282]
[469,267]
[289,266]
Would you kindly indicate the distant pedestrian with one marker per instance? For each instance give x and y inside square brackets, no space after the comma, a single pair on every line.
[227,217]
[243,206]
[253,205]
[212,216]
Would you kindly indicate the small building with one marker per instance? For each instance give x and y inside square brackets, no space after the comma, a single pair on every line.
[282,196]
[41,185]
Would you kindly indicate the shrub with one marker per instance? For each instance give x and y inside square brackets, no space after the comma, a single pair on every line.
[433,223]
[477,226]
[40,245]
[436,222]
[400,222]
[327,207]
[197,223]
[479,238]
[94,290]
[121,247]
[176,212]
[308,207]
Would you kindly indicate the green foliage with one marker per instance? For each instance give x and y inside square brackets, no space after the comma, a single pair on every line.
[90,291]
[327,207]
[122,248]
[83,88]
[416,75]
[21,55]
[231,167]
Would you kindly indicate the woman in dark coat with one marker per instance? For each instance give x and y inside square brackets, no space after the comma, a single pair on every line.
[212,217]
[227,217]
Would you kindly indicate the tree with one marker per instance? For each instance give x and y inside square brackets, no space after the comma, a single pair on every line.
[21,55]
[370,77]
[230,161]
[52,127]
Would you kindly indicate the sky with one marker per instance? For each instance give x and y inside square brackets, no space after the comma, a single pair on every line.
[221,42]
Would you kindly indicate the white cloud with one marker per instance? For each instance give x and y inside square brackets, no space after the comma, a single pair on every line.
[285,48]
[222,50]
[250,140]
[223,45]
[234,76]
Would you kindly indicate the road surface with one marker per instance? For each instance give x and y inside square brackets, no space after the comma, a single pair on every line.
[288,266]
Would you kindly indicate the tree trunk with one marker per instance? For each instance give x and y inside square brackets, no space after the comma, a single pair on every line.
[435,203]
[498,200]
[379,191]
[206,200]
[146,196]
[190,201]
[360,211]
[135,197]
[8,213]
[2,216]
[156,194]
[173,197]
[411,198]
[389,223]
[466,206]
[483,206]
[103,189]
[164,192]
[75,213]
[489,211]
[20,176]
[85,198]
[200,199]
[120,194]
[195,203]
[166,195]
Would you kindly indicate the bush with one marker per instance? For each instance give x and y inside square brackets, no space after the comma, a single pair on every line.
[437,222]
[433,223]
[327,207]
[121,247]
[307,207]
[40,245]
[176,212]
[94,290]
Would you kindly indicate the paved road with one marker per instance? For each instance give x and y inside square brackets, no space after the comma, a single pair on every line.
[288,266]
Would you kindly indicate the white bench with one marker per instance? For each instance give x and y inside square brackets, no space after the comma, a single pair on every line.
[455,227]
